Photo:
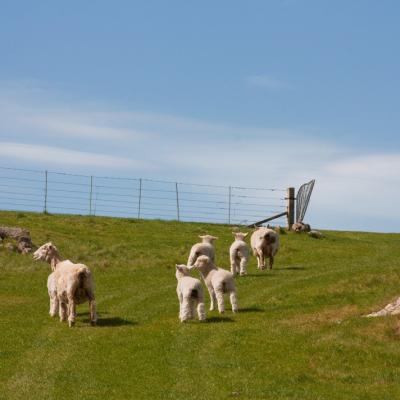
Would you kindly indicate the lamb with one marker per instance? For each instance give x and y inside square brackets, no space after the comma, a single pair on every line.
[265,244]
[190,295]
[206,248]
[218,282]
[68,285]
[239,254]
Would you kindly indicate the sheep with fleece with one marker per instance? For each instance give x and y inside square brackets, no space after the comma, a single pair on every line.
[205,248]
[218,282]
[190,294]
[239,254]
[69,284]
[301,227]
[265,244]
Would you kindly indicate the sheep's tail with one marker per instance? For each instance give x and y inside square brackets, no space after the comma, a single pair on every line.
[269,237]
[83,276]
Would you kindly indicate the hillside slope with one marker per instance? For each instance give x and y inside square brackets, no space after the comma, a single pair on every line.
[299,334]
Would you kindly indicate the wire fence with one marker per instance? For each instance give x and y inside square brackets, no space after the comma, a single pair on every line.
[63,193]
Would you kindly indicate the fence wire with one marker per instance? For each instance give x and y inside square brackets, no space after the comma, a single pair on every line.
[63,193]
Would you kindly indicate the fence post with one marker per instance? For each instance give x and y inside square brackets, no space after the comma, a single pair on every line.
[229,208]
[290,207]
[91,193]
[140,197]
[177,200]
[45,191]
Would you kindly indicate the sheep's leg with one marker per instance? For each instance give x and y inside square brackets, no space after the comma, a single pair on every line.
[63,311]
[233,299]
[233,264]
[92,306]
[54,305]
[212,297]
[93,313]
[258,260]
[201,311]
[261,260]
[180,298]
[185,315]
[243,266]
[271,262]
[71,311]
[219,293]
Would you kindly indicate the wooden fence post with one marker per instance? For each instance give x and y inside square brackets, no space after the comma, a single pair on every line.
[290,197]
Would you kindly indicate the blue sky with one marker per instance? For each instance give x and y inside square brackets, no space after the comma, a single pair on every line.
[259,93]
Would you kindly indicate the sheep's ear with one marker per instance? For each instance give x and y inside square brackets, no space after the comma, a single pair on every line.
[245,234]
[201,236]
[214,237]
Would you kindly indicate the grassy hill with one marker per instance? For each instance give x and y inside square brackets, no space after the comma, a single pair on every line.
[299,334]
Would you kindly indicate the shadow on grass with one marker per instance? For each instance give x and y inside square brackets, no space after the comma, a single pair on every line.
[294,268]
[212,320]
[262,274]
[111,322]
[251,309]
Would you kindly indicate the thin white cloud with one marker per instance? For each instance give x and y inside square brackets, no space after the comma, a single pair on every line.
[60,156]
[382,167]
[266,81]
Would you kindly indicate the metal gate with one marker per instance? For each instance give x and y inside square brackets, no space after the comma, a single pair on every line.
[302,200]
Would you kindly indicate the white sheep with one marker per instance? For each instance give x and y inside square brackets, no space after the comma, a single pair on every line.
[265,244]
[205,248]
[190,294]
[68,285]
[239,254]
[218,282]
[301,227]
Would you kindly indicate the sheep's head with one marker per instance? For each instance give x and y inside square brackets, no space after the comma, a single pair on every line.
[181,271]
[207,238]
[47,252]
[202,262]
[240,235]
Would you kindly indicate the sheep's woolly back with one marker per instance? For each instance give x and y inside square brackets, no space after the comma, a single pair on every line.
[190,287]
[200,249]
[212,274]
[239,249]
[218,282]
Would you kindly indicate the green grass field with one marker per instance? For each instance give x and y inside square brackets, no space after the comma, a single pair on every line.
[299,334]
